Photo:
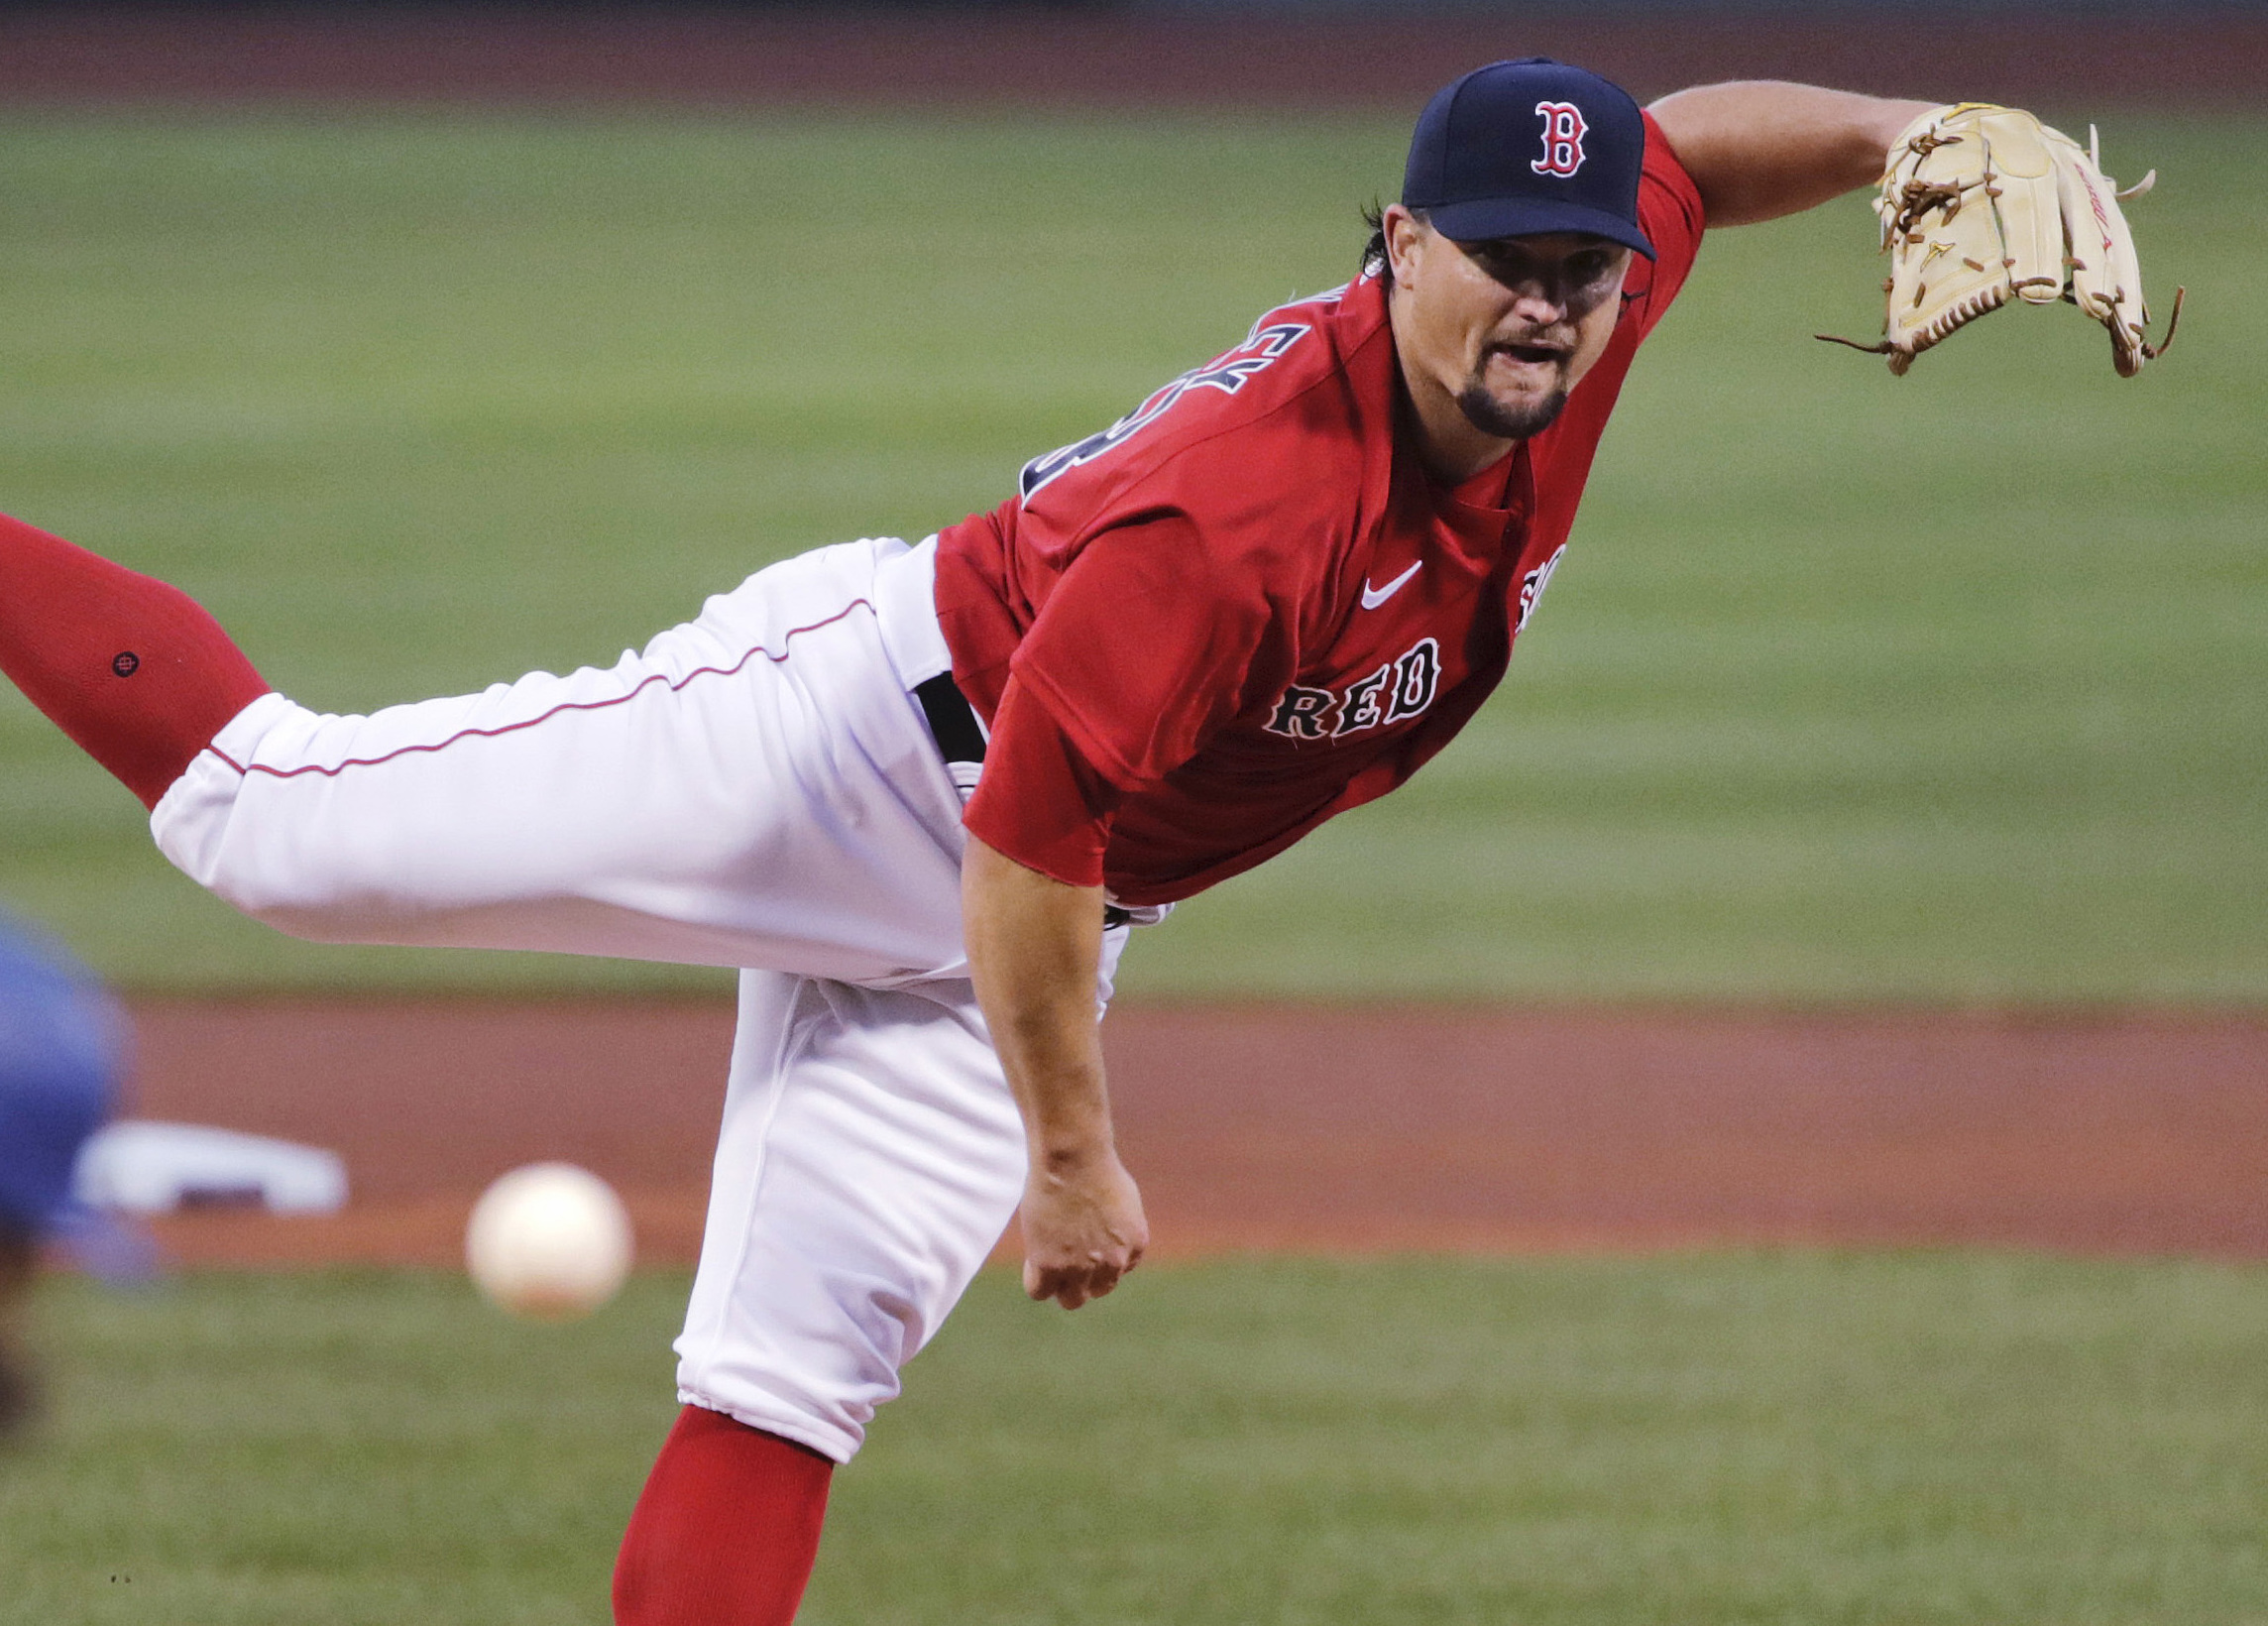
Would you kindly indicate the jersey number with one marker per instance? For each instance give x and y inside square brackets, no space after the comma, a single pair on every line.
[1226,372]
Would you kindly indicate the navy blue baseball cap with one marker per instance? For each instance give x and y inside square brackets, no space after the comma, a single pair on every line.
[1519,148]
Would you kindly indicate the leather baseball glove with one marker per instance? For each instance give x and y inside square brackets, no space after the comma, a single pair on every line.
[1982,204]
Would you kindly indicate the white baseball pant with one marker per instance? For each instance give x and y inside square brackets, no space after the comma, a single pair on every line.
[756,788]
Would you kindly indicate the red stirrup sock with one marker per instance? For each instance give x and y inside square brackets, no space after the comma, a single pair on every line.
[129,667]
[726,1532]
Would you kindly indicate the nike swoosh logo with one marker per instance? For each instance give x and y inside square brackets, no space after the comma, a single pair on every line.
[1373,597]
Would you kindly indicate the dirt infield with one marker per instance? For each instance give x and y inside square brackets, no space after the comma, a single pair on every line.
[1316,1129]
[1110,58]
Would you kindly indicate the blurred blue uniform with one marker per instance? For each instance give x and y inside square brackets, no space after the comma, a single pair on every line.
[63,1051]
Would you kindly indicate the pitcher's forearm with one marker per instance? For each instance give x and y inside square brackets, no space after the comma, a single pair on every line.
[1035,945]
[1033,948]
[1759,148]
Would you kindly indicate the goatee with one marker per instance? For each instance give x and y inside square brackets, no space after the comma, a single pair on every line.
[1492,417]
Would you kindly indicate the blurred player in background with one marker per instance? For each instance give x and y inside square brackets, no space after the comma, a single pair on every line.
[63,1052]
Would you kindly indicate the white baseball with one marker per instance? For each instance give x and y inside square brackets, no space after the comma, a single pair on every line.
[549,1240]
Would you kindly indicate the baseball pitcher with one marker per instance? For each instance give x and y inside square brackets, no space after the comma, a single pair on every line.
[920,795]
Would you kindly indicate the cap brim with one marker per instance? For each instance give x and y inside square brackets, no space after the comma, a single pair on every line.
[1486,218]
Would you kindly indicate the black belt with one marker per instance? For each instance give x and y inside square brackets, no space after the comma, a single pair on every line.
[952,719]
[953,725]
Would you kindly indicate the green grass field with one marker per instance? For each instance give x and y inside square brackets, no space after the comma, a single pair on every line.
[1946,689]
[1801,1439]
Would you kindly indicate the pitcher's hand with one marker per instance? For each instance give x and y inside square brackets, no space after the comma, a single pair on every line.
[1082,1229]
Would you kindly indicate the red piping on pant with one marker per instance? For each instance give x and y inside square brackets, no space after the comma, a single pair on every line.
[565,706]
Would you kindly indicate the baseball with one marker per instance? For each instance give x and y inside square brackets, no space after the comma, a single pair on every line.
[550,1241]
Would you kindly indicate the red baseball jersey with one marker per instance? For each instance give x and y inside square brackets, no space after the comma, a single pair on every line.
[1246,607]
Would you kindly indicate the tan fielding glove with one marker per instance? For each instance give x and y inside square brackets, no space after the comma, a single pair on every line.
[1982,204]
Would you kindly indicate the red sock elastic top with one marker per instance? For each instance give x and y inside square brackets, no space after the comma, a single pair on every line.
[726,1531]
[131,668]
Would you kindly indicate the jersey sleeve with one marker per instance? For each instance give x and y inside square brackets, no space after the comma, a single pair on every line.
[1039,801]
[1670,212]
[1146,646]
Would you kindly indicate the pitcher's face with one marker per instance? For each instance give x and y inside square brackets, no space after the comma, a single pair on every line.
[1504,327]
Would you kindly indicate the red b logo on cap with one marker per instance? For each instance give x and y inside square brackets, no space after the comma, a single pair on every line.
[1563,129]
